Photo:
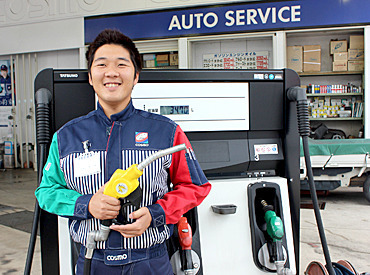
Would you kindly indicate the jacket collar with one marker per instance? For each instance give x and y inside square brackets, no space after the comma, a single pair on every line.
[123,115]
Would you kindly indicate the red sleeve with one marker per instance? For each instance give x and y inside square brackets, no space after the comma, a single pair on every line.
[190,184]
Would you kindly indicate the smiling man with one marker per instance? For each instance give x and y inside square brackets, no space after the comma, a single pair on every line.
[86,151]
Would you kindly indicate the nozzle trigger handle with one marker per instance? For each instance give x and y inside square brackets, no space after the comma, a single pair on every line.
[185,234]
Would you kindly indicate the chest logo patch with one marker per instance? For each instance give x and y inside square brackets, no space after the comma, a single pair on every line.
[141,139]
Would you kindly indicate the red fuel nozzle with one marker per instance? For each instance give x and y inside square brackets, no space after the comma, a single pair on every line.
[186,240]
[185,234]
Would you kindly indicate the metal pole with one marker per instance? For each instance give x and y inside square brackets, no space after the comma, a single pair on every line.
[25,100]
[12,74]
[35,168]
[30,115]
[16,120]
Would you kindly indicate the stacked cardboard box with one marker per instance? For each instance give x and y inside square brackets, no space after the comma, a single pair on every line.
[174,59]
[338,48]
[312,58]
[162,60]
[295,58]
[356,53]
[149,60]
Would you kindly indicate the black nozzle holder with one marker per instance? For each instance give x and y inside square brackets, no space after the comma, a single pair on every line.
[42,101]
[296,94]
[299,95]
[42,96]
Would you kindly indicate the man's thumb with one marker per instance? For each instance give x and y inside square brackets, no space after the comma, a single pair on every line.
[137,214]
[101,189]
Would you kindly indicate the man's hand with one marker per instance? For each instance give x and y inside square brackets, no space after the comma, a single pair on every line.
[143,220]
[104,207]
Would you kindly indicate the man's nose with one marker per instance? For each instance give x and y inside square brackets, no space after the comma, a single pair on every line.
[111,71]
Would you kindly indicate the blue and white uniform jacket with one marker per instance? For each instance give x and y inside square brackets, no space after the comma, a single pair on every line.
[71,176]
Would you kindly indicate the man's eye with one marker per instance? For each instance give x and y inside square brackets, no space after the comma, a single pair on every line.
[100,65]
[122,65]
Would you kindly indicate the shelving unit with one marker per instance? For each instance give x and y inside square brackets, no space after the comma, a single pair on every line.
[350,125]
[337,118]
[335,94]
[330,73]
[160,60]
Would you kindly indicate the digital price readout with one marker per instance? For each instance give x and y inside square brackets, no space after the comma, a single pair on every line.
[174,110]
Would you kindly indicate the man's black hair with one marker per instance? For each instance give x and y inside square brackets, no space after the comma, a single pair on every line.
[109,36]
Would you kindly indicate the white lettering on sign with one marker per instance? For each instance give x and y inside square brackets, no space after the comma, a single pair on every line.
[272,15]
[230,18]
[296,13]
[240,17]
[187,21]
[264,16]
[251,15]
[210,24]
[285,14]
[198,16]
[280,15]
[175,23]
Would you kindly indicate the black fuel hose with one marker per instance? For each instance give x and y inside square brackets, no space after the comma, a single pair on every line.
[299,95]
[87,266]
[42,102]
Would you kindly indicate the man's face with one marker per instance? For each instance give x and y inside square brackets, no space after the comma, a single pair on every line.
[4,73]
[112,76]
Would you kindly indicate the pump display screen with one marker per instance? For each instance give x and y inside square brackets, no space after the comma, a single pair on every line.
[174,110]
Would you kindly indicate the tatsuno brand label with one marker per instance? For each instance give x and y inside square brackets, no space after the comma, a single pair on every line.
[141,139]
[68,75]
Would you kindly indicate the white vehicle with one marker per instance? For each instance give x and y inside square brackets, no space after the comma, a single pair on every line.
[336,161]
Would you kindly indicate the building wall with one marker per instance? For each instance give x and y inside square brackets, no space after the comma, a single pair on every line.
[44,25]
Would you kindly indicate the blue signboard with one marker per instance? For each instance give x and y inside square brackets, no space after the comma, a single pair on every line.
[233,18]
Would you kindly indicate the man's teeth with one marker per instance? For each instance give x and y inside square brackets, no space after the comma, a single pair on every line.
[111,85]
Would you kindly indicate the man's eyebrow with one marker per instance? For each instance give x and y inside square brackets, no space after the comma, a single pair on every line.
[105,58]
[123,58]
[100,58]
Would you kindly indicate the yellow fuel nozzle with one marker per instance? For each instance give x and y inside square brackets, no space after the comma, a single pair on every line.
[123,182]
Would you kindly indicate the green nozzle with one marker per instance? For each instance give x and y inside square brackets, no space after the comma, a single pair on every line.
[275,227]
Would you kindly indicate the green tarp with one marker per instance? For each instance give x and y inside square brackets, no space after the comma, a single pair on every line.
[326,147]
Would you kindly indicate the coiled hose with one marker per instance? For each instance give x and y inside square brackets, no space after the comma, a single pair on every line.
[42,102]
[299,95]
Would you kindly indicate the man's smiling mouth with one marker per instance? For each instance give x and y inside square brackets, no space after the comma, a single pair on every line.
[111,85]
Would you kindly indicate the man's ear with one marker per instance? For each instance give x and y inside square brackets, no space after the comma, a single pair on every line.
[136,79]
[90,80]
